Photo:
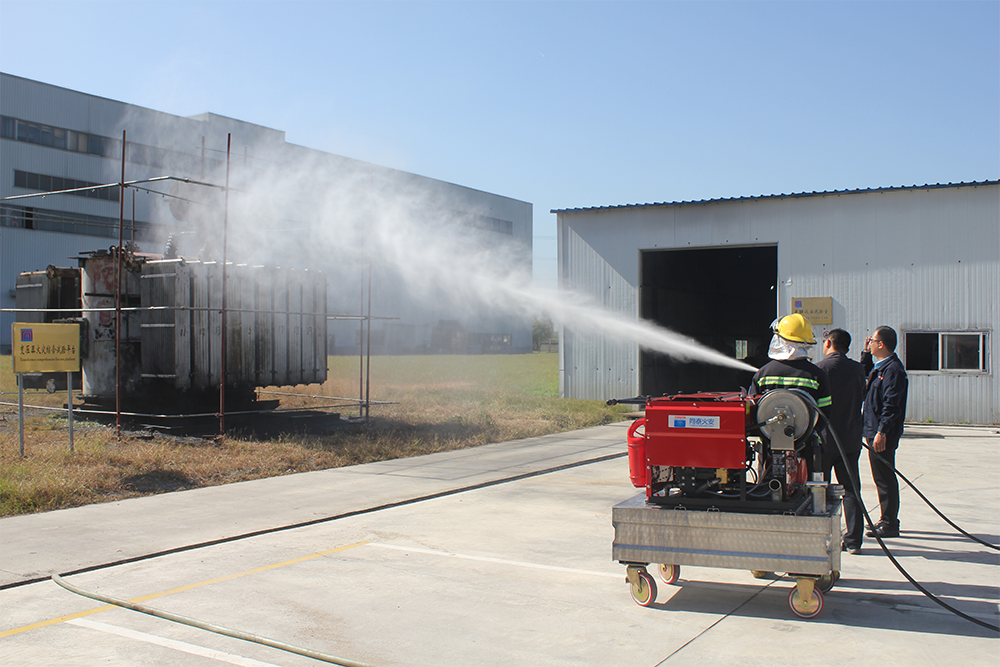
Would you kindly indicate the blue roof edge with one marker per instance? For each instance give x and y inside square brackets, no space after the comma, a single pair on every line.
[781,196]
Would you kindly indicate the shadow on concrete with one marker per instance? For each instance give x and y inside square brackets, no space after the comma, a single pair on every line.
[908,610]
[158,481]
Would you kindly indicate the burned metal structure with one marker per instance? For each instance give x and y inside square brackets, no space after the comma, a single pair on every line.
[174,333]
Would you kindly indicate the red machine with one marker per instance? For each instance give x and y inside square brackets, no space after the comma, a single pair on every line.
[715,454]
[696,450]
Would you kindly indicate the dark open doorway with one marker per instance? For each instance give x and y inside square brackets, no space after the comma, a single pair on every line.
[725,298]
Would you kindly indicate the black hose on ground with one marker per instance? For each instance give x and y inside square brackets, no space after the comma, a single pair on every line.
[857,492]
[929,503]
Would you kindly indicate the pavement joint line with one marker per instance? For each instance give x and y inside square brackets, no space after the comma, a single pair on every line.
[719,620]
[184,647]
[179,589]
[313,522]
[490,559]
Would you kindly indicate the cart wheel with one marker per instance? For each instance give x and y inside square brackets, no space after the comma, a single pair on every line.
[827,581]
[644,593]
[803,609]
[670,573]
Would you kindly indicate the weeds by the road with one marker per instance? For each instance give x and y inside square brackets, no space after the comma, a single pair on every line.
[439,403]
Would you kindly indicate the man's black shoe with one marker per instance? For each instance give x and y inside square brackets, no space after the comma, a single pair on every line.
[883,531]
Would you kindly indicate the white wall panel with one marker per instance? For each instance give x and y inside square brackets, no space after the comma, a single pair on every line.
[593,364]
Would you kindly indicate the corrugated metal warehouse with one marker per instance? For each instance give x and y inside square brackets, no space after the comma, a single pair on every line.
[52,138]
[924,260]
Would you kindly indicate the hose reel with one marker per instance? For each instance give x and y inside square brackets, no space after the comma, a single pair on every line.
[786,417]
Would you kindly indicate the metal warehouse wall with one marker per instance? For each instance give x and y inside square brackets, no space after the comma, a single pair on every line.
[590,365]
[912,258]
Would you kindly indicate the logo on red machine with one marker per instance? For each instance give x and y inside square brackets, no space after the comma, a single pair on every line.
[694,421]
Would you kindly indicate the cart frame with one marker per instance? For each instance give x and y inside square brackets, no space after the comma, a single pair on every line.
[807,547]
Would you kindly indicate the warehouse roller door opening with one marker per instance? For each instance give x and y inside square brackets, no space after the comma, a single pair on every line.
[725,298]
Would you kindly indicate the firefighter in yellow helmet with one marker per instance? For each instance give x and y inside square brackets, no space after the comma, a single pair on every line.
[790,367]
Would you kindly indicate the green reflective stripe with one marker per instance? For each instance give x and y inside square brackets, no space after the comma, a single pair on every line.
[825,402]
[782,381]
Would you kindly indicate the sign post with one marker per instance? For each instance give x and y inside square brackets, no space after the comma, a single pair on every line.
[45,348]
[20,414]
[69,407]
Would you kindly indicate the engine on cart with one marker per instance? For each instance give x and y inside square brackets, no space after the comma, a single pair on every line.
[727,451]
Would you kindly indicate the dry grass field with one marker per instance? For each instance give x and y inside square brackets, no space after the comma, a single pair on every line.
[437,403]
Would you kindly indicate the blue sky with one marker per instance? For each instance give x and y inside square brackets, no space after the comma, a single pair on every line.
[561,104]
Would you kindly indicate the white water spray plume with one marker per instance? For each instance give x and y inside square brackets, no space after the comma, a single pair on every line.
[426,246]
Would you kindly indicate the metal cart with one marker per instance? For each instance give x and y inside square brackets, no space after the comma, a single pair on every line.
[806,547]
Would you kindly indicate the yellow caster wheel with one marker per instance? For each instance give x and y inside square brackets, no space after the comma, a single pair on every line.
[805,608]
[643,590]
[827,581]
[670,573]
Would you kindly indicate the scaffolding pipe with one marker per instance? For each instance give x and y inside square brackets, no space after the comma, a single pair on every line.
[136,309]
[194,414]
[368,365]
[361,348]
[118,298]
[225,225]
[116,184]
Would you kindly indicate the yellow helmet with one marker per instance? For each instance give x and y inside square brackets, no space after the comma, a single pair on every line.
[795,328]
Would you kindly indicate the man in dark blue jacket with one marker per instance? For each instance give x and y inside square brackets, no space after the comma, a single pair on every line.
[882,422]
[847,388]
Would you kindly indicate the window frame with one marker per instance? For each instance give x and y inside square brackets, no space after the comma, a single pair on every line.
[942,351]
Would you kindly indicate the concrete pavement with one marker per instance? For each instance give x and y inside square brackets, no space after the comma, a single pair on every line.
[502,573]
[39,545]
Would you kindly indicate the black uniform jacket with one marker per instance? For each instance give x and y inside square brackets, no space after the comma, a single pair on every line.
[847,387]
[793,374]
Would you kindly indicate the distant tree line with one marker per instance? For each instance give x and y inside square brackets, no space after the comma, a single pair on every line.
[542,332]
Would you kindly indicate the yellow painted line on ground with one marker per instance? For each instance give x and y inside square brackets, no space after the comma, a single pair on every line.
[54,621]
[179,589]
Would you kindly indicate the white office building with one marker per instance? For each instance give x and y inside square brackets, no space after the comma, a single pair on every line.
[287,205]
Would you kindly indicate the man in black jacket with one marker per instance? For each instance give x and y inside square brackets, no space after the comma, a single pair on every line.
[882,422]
[847,388]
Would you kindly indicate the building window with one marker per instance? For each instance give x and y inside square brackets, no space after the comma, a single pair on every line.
[29,181]
[27,217]
[953,351]
[93,144]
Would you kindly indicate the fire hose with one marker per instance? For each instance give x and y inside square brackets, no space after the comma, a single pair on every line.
[885,549]
[217,629]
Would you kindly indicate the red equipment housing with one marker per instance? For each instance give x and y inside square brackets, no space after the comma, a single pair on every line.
[705,430]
